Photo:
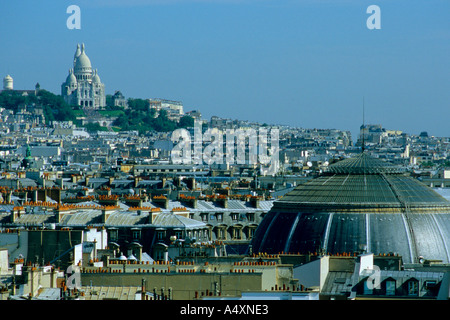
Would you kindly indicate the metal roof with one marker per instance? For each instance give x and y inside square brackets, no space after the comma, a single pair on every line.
[364,182]
[124,218]
[109,292]
[368,190]
[82,217]
[173,220]
[338,283]
[354,210]
[363,164]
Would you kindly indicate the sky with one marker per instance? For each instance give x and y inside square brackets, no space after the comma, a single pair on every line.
[302,63]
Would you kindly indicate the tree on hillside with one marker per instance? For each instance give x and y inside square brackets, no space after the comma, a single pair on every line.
[54,106]
[186,122]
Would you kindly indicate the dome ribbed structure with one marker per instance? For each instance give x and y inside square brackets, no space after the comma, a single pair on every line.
[363,164]
[359,204]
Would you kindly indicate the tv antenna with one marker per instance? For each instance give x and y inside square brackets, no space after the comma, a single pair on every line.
[363,129]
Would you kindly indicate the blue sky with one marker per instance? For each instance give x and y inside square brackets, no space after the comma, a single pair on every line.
[305,63]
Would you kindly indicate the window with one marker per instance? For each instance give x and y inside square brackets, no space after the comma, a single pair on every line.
[136,234]
[179,234]
[237,233]
[204,217]
[413,288]
[251,216]
[430,284]
[221,234]
[235,216]
[113,234]
[251,233]
[368,287]
[390,287]
[161,235]
[219,217]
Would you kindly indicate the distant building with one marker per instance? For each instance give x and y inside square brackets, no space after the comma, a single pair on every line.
[8,83]
[174,109]
[83,86]
[196,114]
[119,100]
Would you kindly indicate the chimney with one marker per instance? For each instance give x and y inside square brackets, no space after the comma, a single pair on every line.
[42,194]
[9,196]
[166,203]
[189,200]
[193,184]
[143,289]
[223,200]
[137,249]
[105,214]
[55,194]
[136,181]
[162,200]
[150,217]
[255,201]
[194,203]
[58,215]
[15,214]
[34,195]
[60,181]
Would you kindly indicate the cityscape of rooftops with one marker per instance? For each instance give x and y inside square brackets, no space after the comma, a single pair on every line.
[232,150]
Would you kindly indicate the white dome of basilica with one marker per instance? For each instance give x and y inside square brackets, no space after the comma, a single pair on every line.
[96,77]
[71,79]
[82,62]
[83,86]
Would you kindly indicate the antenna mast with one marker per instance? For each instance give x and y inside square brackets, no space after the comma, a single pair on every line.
[363,131]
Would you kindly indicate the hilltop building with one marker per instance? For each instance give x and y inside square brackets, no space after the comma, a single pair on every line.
[83,86]
[8,83]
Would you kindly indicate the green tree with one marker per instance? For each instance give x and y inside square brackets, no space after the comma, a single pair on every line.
[186,122]
[54,106]
[93,127]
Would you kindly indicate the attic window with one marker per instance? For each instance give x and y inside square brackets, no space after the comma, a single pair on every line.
[413,288]
[113,234]
[161,235]
[390,287]
[136,234]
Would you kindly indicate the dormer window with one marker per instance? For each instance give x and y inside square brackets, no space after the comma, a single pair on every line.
[413,288]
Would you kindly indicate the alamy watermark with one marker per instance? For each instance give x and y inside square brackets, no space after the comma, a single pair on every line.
[74,20]
[374,21]
[374,279]
[74,279]
[234,146]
